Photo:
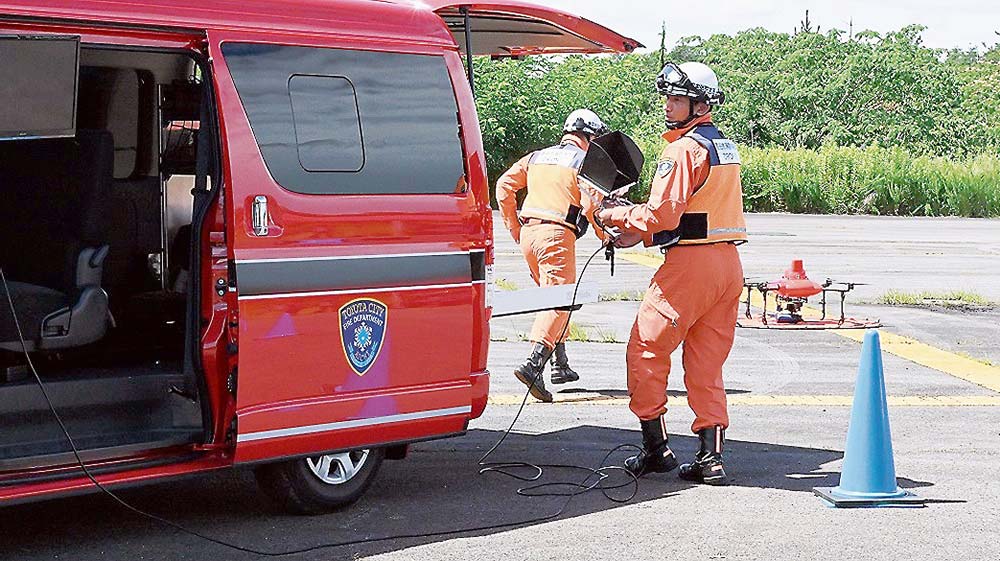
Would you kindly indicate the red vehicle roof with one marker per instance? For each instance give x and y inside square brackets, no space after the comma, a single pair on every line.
[502,27]
[410,23]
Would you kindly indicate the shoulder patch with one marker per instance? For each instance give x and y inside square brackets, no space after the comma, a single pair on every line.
[727,151]
[664,168]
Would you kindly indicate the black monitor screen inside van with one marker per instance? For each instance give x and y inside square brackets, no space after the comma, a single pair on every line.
[38,86]
[337,121]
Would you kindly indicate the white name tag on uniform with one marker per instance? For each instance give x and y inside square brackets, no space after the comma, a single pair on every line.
[555,157]
[727,151]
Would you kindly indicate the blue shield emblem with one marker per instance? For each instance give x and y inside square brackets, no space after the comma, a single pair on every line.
[362,328]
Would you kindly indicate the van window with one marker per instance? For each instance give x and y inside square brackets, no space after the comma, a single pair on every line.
[327,124]
[336,121]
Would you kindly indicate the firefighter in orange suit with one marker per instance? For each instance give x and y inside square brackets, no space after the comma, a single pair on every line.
[695,209]
[555,212]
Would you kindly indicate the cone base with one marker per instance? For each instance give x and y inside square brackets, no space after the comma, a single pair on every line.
[830,495]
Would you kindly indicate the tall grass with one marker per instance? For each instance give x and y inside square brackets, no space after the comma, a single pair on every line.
[847,180]
[839,180]
[952,298]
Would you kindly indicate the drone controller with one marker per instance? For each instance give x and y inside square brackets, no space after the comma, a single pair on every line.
[612,167]
[612,164]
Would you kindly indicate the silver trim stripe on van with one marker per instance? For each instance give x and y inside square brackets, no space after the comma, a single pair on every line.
[340,274]
[357,423]
[360,291]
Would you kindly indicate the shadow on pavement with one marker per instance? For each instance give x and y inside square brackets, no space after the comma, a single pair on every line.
[438,488]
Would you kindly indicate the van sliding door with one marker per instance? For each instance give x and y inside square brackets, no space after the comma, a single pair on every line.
[354,242]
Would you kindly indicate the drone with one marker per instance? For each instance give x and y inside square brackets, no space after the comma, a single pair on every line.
[788,308]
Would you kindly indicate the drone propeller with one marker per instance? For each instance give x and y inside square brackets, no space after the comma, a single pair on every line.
[829,282]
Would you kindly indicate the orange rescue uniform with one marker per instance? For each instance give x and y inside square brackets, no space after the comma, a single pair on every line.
[696,203]
[546,227]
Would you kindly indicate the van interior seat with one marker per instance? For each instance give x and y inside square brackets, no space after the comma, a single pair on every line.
[134,231]
[53,231]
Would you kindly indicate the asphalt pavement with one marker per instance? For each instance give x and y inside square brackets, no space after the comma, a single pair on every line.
[790,399]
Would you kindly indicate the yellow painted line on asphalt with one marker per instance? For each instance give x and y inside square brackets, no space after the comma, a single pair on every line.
[923,354]
[644,259]
[932,357]
[767,400]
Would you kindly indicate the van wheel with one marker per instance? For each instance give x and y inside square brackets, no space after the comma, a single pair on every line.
[321,483]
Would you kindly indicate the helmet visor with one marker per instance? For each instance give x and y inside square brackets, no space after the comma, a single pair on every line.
[673,81]
[673,75]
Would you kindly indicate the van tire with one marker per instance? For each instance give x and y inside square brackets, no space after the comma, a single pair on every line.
[295,485]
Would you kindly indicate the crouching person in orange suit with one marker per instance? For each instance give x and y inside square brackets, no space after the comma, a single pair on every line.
[556,211]
[695,209]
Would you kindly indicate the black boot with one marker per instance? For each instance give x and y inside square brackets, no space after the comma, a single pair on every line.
[530,373]
[707,466]
[656,456]
[561,372]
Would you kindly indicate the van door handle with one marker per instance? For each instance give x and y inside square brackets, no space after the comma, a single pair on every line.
[260,217]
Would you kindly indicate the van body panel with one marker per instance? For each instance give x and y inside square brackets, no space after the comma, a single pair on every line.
[481,221]
[15,494]
[420,258]
[353,420]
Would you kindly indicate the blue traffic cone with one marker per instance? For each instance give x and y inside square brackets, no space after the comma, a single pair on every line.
[869,474]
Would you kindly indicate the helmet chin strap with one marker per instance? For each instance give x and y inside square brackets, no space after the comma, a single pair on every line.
[674,125]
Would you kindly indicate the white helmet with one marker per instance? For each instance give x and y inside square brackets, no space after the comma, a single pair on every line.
[691,79]
[585,121]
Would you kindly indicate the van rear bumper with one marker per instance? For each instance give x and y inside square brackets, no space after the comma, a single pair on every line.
[479,392]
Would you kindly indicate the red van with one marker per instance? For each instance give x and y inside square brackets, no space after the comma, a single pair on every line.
[245,233]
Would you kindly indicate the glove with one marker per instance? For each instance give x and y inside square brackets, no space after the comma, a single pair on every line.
[627,238]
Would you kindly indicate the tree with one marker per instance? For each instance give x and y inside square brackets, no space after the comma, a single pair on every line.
[801,90]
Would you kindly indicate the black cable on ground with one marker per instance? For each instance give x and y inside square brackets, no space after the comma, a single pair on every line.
[599,474]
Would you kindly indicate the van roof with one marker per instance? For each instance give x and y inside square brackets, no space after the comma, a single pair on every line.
[412,22]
